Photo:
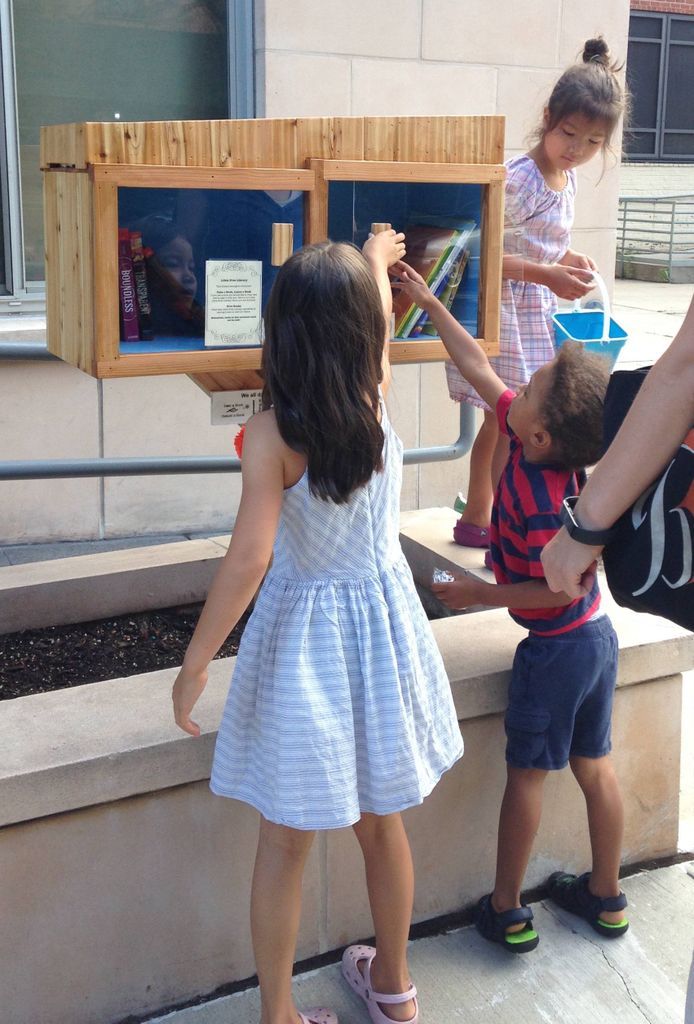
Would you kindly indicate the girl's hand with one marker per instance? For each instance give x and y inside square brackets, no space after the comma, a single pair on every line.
[579,260]
[567,282]
[462,593]
[571,258]
[412,284]
[385,248]
[186,689]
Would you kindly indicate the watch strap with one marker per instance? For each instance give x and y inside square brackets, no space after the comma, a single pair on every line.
[594,538]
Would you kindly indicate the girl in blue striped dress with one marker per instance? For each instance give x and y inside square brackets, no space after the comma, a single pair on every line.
[339,712]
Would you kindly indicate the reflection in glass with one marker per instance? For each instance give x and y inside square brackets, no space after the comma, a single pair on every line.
[179,231]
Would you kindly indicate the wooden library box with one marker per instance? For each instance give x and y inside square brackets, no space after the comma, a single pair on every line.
[163,238]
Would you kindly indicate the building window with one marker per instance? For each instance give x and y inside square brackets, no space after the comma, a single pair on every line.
[660,73]
[103,60]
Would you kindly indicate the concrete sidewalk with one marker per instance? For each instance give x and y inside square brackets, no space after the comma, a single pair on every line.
[574,976]
[651,314]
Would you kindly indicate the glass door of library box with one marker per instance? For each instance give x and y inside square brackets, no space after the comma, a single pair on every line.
[452,216]
[184,263]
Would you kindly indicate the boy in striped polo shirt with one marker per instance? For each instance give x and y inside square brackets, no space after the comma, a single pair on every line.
[564,671]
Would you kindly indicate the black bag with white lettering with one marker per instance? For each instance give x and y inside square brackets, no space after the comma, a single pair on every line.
[648,562]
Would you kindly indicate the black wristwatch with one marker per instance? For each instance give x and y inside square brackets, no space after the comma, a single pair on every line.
[595,538]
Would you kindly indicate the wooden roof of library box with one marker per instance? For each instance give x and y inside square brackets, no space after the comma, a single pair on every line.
[268,142]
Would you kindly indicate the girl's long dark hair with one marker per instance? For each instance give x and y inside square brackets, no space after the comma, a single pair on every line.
[324,336]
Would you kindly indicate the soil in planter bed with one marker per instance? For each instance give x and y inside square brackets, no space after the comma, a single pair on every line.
[38,660]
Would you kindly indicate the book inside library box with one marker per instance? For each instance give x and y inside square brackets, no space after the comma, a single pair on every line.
[441,222]
[178,251]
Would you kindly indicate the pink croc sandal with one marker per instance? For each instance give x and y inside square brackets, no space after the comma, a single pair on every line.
[470,536]
[318,1016]
[361,983]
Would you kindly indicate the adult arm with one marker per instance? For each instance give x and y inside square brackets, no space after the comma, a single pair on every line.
[571,258]
[652,430]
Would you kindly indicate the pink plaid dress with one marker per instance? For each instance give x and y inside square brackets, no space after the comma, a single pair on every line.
[537,225]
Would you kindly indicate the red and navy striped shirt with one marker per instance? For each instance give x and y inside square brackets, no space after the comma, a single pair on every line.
[525,517]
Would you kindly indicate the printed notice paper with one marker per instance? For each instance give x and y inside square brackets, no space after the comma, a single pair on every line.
[232,302]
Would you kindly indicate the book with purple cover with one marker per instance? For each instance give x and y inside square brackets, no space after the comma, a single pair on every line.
[126,288]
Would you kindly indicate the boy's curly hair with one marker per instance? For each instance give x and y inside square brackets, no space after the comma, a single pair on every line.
[573,407]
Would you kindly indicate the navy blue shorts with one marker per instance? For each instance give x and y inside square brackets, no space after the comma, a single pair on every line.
[560,697]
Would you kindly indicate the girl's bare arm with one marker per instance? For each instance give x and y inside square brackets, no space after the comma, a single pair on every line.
[382,251]
[243,566]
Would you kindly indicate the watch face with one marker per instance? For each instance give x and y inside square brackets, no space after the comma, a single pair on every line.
[595,538]
[567,516]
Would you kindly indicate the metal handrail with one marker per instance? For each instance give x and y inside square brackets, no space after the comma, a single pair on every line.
[655,231]
[55,469]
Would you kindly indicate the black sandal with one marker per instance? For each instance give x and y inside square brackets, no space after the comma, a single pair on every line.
[572,893]
[492,926]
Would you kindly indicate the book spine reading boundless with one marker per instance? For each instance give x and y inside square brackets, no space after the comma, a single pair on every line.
[126,288]
[144,306]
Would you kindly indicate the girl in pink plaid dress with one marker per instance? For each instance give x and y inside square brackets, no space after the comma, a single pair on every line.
[579,119]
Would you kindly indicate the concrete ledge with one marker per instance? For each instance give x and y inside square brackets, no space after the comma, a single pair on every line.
[86,587]
[107,741]
[127,881]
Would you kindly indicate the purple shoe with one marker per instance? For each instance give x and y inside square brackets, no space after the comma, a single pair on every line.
[470,536]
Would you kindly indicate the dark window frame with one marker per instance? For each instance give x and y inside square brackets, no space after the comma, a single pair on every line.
[661,134]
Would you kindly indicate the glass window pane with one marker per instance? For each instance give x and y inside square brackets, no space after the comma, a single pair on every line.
[644,27]
[441,223]
[3,277]
[178,235]
[639,144]
[682,29]
[679,112]
[643,72]
[679,144]
[100,60]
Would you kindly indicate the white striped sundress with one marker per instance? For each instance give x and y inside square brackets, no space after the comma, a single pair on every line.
[339,702]
[537,226]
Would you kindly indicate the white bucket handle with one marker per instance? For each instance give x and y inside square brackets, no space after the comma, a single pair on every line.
[602,288]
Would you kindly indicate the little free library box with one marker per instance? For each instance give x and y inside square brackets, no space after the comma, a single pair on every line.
[163,238]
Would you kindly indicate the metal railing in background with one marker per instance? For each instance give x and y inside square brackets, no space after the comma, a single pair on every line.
[655,237]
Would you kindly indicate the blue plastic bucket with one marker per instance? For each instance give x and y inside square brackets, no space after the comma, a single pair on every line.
[593,328]
[586,326]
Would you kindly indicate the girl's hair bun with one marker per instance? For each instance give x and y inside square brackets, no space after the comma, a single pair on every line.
[596,50]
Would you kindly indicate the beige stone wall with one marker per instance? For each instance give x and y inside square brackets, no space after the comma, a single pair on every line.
[126,883]
[50,410]
[314,57]
[143,903]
